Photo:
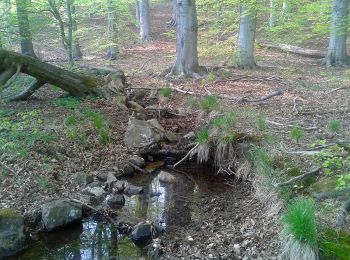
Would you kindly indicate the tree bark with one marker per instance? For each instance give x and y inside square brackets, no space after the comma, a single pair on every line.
[173,20]
[5,23]
[145,23]
[112,32]
[24,29]
[74,84]
[272,18]
[186,39]
[337,55]
[137,13]
[246,36]
[70,32]
[77,54]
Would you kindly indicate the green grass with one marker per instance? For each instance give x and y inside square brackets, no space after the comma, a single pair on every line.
[297,133]
[261,122]
[334,125]
[209,103]
[335,244]
[299,221]
[69,102]
[165,92]
[203,136]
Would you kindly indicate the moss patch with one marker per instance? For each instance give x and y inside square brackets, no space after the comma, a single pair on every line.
[8,213]
[336,244]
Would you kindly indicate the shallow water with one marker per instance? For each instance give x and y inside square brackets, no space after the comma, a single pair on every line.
[162,203]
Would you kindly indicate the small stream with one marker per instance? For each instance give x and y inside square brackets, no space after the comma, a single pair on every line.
[162,203]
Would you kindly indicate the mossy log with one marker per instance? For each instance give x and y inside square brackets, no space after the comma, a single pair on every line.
[80,85]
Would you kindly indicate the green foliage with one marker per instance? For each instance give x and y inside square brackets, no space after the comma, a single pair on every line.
[335,244]
[226,121]
[334,125]
[261,122]
[297,133]
[261,161]
[44,182]
[69,102]
[203,136]
[209,102]
[165,92]
[299,221]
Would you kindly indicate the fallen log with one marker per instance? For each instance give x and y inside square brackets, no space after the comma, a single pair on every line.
[296,50]
[80,85]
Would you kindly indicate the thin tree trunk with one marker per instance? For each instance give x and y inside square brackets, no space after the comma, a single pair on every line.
[77,54]
[186,39]
[172,22]
[145,23]
[56,14]
[246,37]
[112,31]
[337,55]
[137,13]
[24,28]
[272,20]
[70,32]
[5,23]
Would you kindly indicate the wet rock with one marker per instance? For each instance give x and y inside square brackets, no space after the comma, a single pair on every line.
[110,178]
[166,177]
[191,136]
[172,137]
[102,176]
[140,135]
[136,107]
[60,213]
[155,194]
[32,218]
[115,200]
[142,233]
[96,194]
[119,186]
[156,125]
[12,238]
[137,160]
[133,190]
[83,179]
[94,184]
[128,170]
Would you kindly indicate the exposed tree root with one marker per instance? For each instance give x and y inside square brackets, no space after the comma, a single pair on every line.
[299,178]
[331,194]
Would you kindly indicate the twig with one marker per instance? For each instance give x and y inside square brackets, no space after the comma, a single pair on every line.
[336,89]
[280,124]
[298,178]
[187,155]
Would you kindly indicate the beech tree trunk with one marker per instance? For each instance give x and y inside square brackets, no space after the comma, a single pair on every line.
[137,13]
[272,18]
[186,39]
[70,32]
[77,54]
[145,23]
[73,83]
[337,54]
[172,22]
[24,29]
[246,37]
[112,31]
[5,23]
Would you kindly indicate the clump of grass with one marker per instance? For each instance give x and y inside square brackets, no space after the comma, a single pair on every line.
[297,133]
[335,244]
[203,136]
[69,102]
[261,122]
[209,103]
[300,230]
[334,125]
[165,92]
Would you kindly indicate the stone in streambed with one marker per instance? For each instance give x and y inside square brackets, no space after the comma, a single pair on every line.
[115,200]
[137,160]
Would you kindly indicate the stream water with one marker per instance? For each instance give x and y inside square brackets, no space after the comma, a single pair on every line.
[162,203]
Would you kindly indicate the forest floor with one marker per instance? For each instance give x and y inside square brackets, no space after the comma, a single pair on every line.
[39,166]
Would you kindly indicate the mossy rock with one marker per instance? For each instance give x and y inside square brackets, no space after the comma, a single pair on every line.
[324,185]
[335,244]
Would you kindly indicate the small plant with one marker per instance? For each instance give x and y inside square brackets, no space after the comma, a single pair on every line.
[334,125]
[165,92]
[261,122]
[335,244]
[43,182]
[70,120]
[69,102]
[209,103]
[300,230]
[100,124]
[203,136]
[297,133]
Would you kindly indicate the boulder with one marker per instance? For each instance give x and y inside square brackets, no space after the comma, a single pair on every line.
[12,238]
[115,200]
[166,177]
[59,213]
[137,160]
[140,135]
[83,179]
[97,194]
[132,190]
[128,170]
[142,233]
[102,176]
[156,125]
[120,186]
[94,184]
[110,178]
[172,137]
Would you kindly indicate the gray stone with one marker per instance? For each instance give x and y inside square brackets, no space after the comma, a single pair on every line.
[110,178]
[132,190]
[12,238]
[142,233]
[136,107]
[102,176]
[83,179]
[128,171]
[156,125]
[94,184]
[140,135]
[95,191]
[137,160]
[115,200]
[190,136]
[166,177]
[59,213]
[172,137]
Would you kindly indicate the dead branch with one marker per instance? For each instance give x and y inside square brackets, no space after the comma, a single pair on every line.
[187,155]
[336,89]
[296,50]
[298,178]
[286,125]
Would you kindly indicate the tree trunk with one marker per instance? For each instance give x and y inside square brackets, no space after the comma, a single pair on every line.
[70,32]
[246,37]
[77,54]
[137,13]
[172,22]
[145,23]
[112,32]
[5,23]
[24,29]
[75,84]
[186,39]
[56,14]
[296,50]
[337,55]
